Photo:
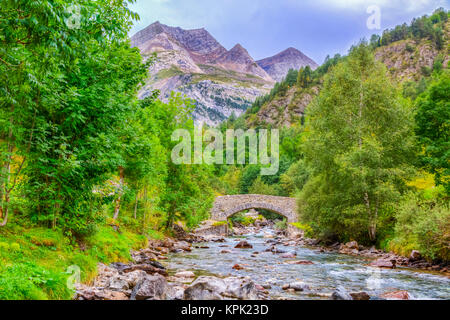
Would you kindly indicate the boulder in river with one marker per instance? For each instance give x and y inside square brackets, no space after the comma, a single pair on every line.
[243,245]
[288,255]
[396,295]
[205,288]
[213,288]
[238,267]
[185,274]
[360,296]
[384,263]
[299,286]
[341,294]
[150,288]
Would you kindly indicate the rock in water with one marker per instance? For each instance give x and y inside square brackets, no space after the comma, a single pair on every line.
[213,288]
[205,288]
[360,296]
[383,263]
[341,294]
[242,289]
[396,295]
[244,245]
[185,274]
[151,287]
[299,286]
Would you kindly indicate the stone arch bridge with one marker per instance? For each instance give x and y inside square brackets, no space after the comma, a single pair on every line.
[226,206]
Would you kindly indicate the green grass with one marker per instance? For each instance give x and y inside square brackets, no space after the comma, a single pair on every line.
[34,260]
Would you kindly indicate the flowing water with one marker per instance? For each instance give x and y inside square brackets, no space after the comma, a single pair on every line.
[329,271]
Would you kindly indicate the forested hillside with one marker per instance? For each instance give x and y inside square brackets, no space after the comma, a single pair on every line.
[339,153]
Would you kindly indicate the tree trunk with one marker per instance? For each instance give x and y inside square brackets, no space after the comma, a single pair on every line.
[119,198]
[5,196]
[7,174]
[135,205]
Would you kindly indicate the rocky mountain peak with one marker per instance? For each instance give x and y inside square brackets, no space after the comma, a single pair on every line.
[193,62]
[278,65]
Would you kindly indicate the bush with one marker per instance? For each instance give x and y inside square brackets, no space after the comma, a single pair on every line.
[281,225]
[423,224]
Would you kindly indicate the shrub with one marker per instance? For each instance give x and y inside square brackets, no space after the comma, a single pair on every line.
[423,224]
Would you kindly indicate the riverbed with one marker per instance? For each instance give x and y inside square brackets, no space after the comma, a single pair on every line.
[327,272]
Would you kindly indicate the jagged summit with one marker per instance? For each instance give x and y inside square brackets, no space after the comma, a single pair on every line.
[193,62]
[278,65]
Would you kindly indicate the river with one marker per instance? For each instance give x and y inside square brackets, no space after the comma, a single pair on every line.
[329,271]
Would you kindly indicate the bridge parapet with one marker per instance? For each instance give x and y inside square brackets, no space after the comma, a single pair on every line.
[226,206]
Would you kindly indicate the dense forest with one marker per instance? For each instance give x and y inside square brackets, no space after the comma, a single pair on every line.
[353,179]
[85,168]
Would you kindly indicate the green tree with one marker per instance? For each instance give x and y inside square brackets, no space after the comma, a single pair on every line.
[433,129]
[359,147]
[65,86]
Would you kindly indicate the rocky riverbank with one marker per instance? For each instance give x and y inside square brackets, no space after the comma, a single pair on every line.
[147,277]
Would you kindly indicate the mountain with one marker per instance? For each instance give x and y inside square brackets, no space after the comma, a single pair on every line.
[409,61]
[222,82]
[278,65]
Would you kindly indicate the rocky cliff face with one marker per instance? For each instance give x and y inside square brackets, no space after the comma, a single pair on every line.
[192,62]
[278,65]
[406,60]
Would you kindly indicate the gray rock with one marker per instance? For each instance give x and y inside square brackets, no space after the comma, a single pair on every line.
[341,294]
[243,289]
[415,255]
[151,287]
[213,288]
[205,288]
[299,286]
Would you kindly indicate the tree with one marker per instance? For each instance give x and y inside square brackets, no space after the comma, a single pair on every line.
[359,147]
[433,129]
[64,89]
[304,77]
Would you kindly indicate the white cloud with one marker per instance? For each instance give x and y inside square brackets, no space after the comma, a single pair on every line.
[401,5]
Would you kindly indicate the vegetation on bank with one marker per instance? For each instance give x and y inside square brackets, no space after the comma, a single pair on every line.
[85,168]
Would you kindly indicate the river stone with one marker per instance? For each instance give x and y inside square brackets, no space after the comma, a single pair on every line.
[384,263]
[415,255]
[185,274]
[360,296]
[288,255]
[205,288]
[243,289]
[151,287]
[341,294]
[352,245]
[396,295]
[299,286]
[243,245]
[118,283]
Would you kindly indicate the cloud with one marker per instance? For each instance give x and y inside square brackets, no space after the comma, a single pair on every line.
[400,5]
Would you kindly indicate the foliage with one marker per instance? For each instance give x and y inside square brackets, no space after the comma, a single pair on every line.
[423,223]
[429,27]
[359,148]
[433,129]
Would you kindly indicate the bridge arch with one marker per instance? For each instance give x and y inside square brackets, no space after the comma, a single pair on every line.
[226,206]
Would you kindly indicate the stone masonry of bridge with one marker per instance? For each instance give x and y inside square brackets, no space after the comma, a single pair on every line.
[226,206]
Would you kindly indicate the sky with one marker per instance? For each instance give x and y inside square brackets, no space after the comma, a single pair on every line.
[265,27]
